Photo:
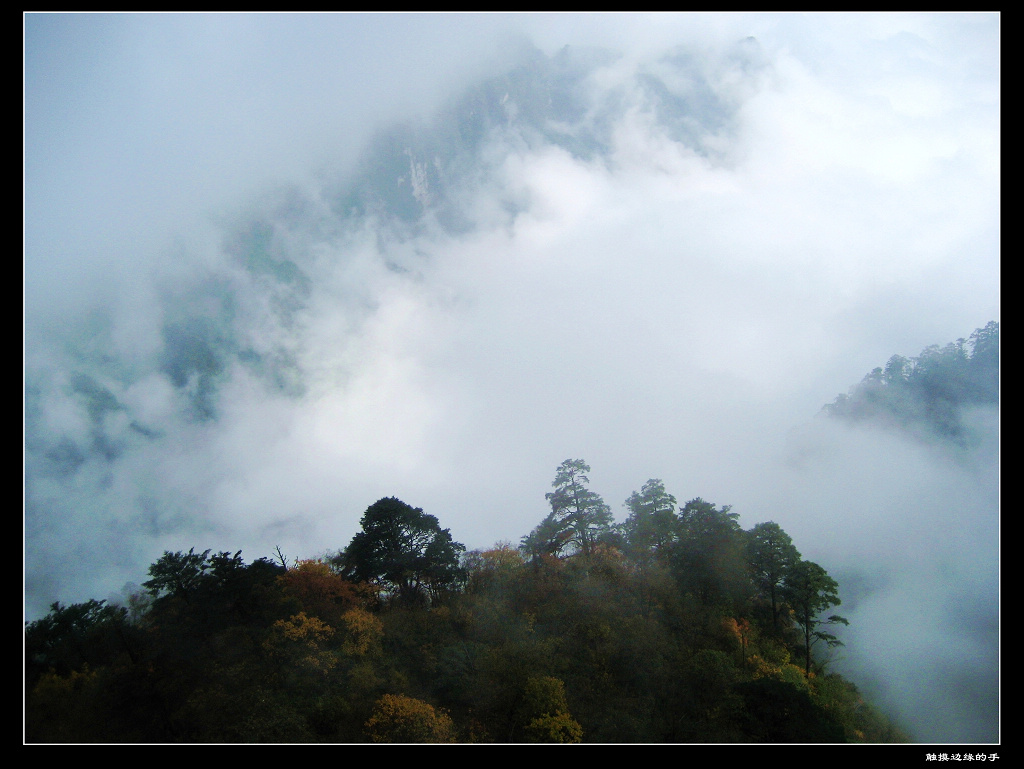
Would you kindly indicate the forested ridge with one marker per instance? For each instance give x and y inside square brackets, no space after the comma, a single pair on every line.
[929,394]
[674,625]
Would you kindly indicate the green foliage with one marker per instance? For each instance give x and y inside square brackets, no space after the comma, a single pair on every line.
[666,639]
[931,391]
[652,523]
[548,538]
[843,703]
[73,637]
[776,711]
[178,574]
[771,555]
[709,558]
[809,590]
[546,713]
[709,701]
[213,592]
[578,520]
[65,708]
[405,551]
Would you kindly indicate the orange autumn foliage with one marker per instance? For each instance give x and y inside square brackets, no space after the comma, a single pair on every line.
[321,592]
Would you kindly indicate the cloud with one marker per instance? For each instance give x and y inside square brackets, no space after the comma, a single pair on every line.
[910,530]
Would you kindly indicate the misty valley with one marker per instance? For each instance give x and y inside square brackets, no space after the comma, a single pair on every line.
[674,625]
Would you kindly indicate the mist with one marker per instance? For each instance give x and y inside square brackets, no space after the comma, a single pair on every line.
[280,266]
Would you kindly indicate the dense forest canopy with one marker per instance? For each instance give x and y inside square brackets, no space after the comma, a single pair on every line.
[676,625]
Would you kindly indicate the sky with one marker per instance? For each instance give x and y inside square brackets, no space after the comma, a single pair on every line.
[773,206]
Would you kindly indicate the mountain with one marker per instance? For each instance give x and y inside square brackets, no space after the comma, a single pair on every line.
[662,258]
[929,394]
[246,307]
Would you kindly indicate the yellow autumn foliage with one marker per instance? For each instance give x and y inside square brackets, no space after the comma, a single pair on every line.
[363,632]
[301,638]
[402,719]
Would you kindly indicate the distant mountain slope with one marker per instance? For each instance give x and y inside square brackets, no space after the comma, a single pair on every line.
[103,396]
[572,100]
[242,310]
[929,393]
